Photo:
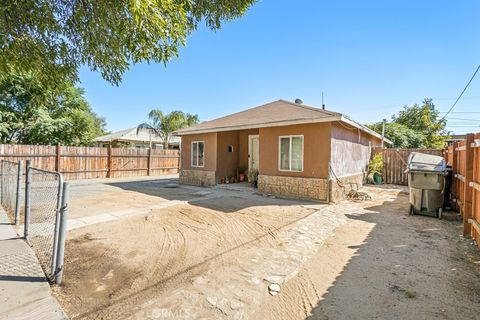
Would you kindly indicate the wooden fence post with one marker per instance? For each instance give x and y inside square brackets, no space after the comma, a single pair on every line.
[179,163]
[149,161]
[475,222]
[454,180]
[58,157]
[468,189]
[109,162]
[384,168]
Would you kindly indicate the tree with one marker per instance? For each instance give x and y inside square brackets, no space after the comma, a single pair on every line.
[31,113]
[164,124]
[401,135]
[418,126]
[56,37]
[425,119]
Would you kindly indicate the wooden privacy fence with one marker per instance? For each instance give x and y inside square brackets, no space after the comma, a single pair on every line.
[93,162]
[464,157]
[395,163]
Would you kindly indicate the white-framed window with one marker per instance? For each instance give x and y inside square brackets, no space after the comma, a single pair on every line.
[290,153]
[198,151]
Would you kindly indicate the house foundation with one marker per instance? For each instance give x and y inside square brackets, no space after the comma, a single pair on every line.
[294,187]
[201,178]
[339,188]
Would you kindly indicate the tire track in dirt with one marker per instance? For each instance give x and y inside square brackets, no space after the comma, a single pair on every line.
[166,249]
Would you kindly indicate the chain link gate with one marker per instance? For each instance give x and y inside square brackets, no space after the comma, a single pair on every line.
[10,185]
[45,218]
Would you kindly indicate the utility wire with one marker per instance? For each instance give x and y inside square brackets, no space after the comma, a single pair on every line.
[463,119]
[461,112]
[461,94]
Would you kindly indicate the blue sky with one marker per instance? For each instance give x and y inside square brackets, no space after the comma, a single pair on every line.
[368,57]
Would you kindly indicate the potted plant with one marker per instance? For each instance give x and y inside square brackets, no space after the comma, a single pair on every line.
[375,169]
[242,175]
[253,176]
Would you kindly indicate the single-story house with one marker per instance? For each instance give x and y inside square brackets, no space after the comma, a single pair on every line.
[299,151]
[450,140]
[143,139]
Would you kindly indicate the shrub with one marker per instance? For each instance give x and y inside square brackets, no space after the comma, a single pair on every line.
[252,175]
[376,164]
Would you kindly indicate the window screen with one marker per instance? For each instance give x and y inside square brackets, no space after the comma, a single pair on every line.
[197,153]
[291,153]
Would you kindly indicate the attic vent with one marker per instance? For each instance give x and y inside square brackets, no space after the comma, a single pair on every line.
[298,101]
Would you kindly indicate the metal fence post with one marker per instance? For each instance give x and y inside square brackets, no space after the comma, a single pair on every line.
[27,199]
[57,223]
[2,172]
[19,188]
[61,234]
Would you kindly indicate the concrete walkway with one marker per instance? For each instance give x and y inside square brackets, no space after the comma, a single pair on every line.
[24,290]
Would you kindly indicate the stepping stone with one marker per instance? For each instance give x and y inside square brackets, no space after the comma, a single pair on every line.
[202,193]
[171,185]
[274,289]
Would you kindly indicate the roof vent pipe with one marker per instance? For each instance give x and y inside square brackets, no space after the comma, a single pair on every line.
[298,101]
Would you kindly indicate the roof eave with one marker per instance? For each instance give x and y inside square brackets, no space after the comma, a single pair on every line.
[129,140]
[336,117]
[257,126]
[364,128]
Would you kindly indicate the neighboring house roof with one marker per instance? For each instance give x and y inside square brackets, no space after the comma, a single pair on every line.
[277,113]
[130,135]
[456,137]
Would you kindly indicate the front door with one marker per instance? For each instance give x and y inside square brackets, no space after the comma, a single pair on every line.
[253,148]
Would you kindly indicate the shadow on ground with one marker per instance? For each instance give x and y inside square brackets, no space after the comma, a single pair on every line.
[408,267]
[222,200]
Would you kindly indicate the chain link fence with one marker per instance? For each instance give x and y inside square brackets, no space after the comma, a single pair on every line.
[43,218]
[10,183]
[45,212]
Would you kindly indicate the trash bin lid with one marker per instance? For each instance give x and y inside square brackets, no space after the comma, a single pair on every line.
[426,162]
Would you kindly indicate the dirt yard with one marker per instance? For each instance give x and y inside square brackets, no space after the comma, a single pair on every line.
[384,264]
[196,253]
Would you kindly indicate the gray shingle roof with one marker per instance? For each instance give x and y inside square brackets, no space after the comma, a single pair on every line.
[131,135]
[276,113]
[266,115]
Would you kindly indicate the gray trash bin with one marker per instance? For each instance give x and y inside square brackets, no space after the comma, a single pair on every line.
[426,181]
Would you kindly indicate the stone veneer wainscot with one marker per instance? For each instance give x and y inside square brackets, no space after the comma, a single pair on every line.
[197,177]
[340,189]
[294,187]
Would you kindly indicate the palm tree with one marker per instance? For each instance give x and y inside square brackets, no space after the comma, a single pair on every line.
[164,124]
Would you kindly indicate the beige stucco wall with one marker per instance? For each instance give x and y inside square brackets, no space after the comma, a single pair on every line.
[346,148]
[227,162]
[351,149]
[316,149]
[243,147]
[200,176]
[217,157]
[210,155]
